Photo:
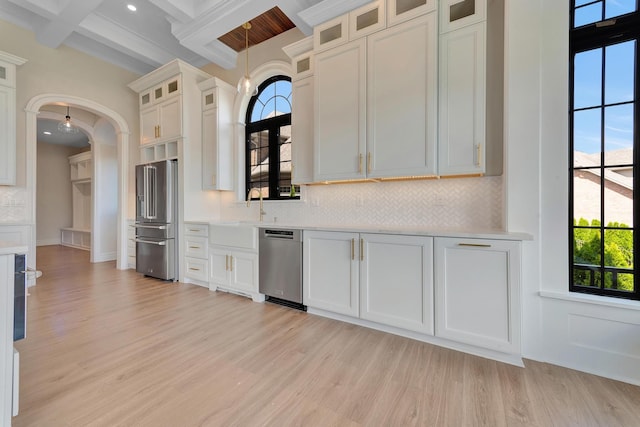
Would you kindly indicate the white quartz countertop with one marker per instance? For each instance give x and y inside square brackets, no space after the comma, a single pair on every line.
[389,229]
[7,248]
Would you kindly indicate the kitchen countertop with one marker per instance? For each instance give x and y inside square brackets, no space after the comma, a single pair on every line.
[7,248]
[389,229]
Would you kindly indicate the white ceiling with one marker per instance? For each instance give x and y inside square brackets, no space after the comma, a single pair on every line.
[160,30]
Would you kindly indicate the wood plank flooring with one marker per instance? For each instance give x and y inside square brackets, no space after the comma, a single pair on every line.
[112,348]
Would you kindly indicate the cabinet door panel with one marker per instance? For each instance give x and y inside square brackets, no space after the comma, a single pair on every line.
[462,101]
[397,281]
[244,268]
[209,149]
[218,266]
[477,288]
[401,99]
[170,118]
[302,130]
[148,125]
[340,112]
[7,136]
[330,272]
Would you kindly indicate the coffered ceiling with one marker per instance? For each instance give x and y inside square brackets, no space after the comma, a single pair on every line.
[161,30]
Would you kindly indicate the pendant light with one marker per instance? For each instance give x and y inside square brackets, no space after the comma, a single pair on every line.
[66,126]
[246,86]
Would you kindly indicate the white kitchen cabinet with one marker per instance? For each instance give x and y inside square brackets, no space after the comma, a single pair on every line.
[331,276]
[403,10]
[478,292]
[375,111]
[234,270]
[196,253]
[367,19]
[8,65]
[340,112]
[302,109]
[382,278]
[462,101]
[302,130]
[131,244]
[455,14]
[401,100]
[161,121]
[7,263]
[396,281]
[330,34]
[217,134]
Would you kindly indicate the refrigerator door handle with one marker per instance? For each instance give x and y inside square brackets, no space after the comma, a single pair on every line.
[151,242]
[150,192]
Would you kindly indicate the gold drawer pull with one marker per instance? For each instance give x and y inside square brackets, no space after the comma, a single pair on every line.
[194,269]
[353,249]
[475,245]
[361,249]
[195,247]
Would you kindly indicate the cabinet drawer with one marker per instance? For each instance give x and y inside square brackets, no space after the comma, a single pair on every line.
[197,269]
[199,229]
[196,247]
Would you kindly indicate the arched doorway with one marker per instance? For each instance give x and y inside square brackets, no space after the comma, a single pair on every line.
[122,146]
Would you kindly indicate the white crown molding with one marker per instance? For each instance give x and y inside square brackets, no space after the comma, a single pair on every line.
[298,48]
[165,72]
[11,59]
[329,9]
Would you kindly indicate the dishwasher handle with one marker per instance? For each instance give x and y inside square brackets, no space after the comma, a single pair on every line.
[281,234]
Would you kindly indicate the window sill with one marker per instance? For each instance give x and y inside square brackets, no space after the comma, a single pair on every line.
[592,299]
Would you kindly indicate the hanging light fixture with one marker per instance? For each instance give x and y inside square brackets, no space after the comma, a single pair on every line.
[245,86]
[66,126]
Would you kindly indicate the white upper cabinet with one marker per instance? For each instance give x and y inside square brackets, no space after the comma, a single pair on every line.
[340,117]
[367,20]
[8,65]
[217,134]
[302,130]
[403,10]
[462,102]
[161,121]
[456,14]
[331,33]
[401,99]
[302,109]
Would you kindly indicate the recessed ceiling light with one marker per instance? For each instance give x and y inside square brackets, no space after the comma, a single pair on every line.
[132,7]
[46,132]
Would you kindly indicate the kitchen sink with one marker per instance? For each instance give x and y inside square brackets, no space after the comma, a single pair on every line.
[236,234]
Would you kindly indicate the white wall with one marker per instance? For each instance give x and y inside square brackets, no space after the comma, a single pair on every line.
[105,190]
[593,334]
[53,207]
[70,72]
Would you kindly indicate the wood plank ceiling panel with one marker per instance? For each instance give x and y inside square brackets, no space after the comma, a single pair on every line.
[263,27]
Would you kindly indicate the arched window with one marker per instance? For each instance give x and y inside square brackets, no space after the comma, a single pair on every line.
[268,141]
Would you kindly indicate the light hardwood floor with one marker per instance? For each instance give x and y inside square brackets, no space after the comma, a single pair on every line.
[112,348]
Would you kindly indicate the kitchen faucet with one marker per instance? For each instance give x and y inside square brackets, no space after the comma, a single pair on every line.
[262,212]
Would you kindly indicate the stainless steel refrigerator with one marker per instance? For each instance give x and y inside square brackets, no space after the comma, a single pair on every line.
[157,219]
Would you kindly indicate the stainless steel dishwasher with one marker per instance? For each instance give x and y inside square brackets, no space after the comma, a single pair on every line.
[280,266]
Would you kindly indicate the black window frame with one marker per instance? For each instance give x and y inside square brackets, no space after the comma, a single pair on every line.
[273,125]
[606,32]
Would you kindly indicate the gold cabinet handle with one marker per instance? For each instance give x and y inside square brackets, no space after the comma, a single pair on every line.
[361,249]
[360,163]
[230,262]
[194,247]
[159,133]
[478,154]
[474,245]
[226,263]
[369,162]
[194,269]
[353,249]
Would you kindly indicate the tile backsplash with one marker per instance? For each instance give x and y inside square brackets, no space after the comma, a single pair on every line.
[460,203]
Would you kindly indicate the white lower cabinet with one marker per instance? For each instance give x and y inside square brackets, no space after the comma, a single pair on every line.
[478,292]
[330,266]
[396,281]
[233,270]
[196,253]
[378,277]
